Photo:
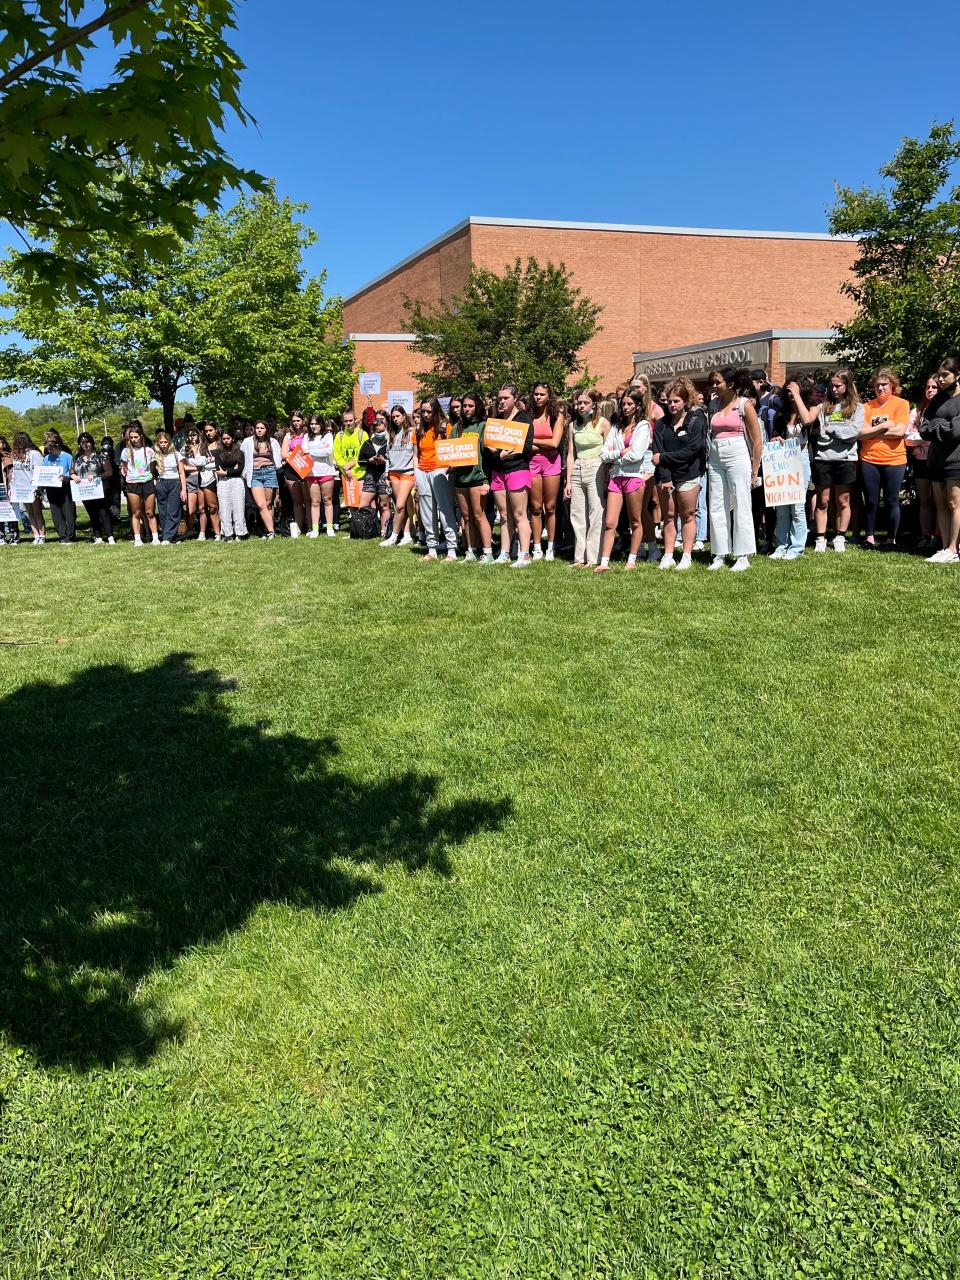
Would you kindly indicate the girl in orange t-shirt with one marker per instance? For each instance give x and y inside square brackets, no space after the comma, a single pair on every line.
[883,454]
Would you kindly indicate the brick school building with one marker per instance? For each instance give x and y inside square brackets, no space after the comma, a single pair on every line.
[675,299]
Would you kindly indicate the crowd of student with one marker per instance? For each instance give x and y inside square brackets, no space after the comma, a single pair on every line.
[634,469]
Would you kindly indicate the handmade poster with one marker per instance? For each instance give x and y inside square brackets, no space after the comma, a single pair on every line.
[502,433]
[783,482]
[22,490]
[86,490]
[6,507]
[352,488]
[48,476]
[369,384]
[403,398]
[445,403]
[301,462]
[464,451]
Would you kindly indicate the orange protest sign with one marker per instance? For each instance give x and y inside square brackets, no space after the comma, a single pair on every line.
[463,451]
[351,491]
[301,462]
[503,433]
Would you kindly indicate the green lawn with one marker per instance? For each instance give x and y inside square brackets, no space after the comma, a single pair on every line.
[367,918]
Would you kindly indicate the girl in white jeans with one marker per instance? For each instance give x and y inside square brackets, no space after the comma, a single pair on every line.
[733,464]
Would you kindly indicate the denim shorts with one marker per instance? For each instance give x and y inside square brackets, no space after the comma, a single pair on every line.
[264,478]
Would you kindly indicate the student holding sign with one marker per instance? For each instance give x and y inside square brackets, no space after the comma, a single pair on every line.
[295,477]
[470,480]
[26,458]
[346,456]
[790,534]
[136,466]
[90,473]
[62,506]
[434,490]
[508,441]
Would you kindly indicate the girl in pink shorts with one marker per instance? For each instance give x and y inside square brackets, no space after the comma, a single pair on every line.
[510,481]
[545,468]
[626,451]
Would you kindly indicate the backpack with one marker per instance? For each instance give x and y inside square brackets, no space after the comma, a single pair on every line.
[364,523]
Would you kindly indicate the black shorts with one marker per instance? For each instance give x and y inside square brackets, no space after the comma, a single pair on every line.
[825,472]
[919,469]
[146,490]
[376,484]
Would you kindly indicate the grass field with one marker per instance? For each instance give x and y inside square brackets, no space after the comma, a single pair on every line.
[367,918]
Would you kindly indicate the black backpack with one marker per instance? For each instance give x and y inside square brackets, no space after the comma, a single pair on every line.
[364,523]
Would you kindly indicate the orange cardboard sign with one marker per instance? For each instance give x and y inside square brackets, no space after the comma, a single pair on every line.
[351,491]
[301,462]
[463,451]
[503,433]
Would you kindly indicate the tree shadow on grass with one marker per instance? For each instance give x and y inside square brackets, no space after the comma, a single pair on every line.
[142,820]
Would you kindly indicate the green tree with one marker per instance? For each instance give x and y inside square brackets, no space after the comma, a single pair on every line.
[906,282]
[230,312]
[121,157]
[524,326]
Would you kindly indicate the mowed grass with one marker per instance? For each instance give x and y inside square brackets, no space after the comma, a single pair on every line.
[368,918]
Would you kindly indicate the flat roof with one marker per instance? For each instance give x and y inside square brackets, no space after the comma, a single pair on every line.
[820,335]
[633,228]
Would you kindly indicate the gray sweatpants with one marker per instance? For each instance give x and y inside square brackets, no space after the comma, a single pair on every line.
[231,494]
[435,495]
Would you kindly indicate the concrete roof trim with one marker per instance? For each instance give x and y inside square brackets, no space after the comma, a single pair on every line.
[380,337]
[764,336]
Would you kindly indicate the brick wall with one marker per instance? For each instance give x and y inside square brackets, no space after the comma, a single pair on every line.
[397,366]
[658,291]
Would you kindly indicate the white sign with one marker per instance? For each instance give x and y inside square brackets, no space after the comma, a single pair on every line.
[7,512]
[445,403]
[370,384]
[86,490]
[22,490]
[783,482]
[403,398]
[48,476]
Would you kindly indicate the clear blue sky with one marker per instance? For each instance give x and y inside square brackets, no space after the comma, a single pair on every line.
[394,122]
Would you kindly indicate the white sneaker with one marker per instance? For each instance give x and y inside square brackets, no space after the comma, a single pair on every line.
[684,563]
[405,541]
[314,533]
[943,557]
[820,544]
[668,562]
[166,543]
[698,545]
[840,543]
[295,529]
[470,557]
[779,553]
[111,542]
[451,555]
[431,555]
[522,561]
[201,537]
[98,542]
[487,559]
[156,539]
[138,542]
[503,558]
[538,553]
[718,562]
[331,531]
[655,555]
[389,542]
[548,554]
[741,566]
